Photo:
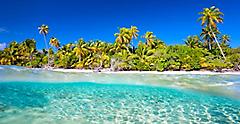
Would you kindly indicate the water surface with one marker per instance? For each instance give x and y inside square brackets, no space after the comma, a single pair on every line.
[40,96]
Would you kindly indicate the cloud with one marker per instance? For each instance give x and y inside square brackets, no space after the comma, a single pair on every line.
[3,45]
[3,30]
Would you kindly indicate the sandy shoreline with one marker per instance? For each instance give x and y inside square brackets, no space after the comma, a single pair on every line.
[146,72]
[106,71]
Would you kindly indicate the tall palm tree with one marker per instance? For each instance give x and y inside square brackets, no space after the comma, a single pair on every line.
[210,17]
[43,29]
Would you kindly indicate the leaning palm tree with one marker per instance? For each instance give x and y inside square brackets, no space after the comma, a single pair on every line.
[210,17]
[43,29]
[207,36]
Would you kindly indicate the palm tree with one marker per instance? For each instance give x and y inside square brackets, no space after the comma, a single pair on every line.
[225,38]
[134,34]
[208,37]
[144,55]
[192,41]
[149,38]
[80,49]
[31,48]
[54,42]
[123,38]
[43,29]
[210,17]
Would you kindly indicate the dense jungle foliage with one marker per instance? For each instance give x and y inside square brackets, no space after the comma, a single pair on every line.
[209,50]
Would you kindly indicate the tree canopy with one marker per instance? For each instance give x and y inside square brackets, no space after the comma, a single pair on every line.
[203,51]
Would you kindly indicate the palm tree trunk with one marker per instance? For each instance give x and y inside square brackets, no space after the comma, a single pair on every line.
[132,46]
[209,45]
[79,58]
[46,48]
[31,59]
[214,36]
[219,46]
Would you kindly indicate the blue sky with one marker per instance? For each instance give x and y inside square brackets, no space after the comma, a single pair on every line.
[170,20]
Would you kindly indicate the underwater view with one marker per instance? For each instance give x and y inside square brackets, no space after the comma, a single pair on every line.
[37,96]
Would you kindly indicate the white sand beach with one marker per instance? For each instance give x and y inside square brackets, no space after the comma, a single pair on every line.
[147,72]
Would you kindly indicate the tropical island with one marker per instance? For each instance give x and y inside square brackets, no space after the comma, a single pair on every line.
[168,62]
[209,50]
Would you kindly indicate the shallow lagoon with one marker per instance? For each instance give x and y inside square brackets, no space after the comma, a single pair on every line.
[40,96]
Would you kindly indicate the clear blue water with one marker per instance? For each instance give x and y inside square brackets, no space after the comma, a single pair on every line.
[41,98]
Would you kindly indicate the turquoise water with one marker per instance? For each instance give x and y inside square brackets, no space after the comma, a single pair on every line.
[42,97]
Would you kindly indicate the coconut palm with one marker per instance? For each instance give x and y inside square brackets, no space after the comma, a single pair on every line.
[149,38]
[134,34]
[144,55]
[65,56]
[54,42]
[43,29]
[208,37]
[225,39]
[192,41]
[210,17]
[124,36]
[31,48]
[80,49]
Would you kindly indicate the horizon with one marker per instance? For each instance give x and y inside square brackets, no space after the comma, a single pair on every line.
[171,21]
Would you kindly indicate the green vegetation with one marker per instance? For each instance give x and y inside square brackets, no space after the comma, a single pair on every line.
[209,51]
